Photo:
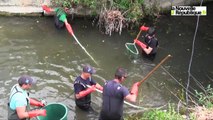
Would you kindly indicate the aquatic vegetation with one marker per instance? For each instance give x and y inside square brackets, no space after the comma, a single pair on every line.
[206,97]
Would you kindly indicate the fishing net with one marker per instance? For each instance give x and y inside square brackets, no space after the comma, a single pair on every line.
[132,50]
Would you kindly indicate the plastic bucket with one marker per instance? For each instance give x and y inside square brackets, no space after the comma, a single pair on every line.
[132,50]
[55,111]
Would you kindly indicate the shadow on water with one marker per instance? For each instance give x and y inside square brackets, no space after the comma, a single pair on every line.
[32,45]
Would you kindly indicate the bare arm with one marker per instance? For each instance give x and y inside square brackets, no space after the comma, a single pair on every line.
[21,111]
[147,50]
[131,97]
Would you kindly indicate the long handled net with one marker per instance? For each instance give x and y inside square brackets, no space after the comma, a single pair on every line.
[132,50]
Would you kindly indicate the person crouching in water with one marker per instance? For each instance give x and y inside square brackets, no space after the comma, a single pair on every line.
[149,48]
[60,17]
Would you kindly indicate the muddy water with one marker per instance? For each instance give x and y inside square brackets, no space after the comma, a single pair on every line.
[32,45]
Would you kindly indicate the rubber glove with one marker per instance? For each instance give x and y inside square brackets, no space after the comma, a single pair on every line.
[101,88]
[134,89]
[69,28]
[141,44]
[143,28]
[36,102]
[47,9]
[35,113]
[87,91]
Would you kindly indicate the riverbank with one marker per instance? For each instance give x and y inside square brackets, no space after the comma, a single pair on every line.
[20,10]
[33,8]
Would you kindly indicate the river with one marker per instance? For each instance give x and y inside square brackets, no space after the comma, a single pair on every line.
[32,45]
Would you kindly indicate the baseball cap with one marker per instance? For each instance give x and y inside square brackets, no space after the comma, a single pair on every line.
[121,72]
[88,69]
[25,79]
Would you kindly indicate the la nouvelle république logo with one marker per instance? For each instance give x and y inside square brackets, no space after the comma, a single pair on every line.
[188,11]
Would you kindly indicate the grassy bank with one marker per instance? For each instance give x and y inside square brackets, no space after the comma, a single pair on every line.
[201,108]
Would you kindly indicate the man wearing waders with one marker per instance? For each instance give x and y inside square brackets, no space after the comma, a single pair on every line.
[60,17]
[149,48]
[82,90]
[114,95]
[19,101]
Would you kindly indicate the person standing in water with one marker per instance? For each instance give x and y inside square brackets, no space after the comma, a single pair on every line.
[19,101]
[82,91]
[114,95]
[149,47]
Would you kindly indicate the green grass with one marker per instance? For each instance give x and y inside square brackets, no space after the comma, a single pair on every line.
[157,114]
[205,98]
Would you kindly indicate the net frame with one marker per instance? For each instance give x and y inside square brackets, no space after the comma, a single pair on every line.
[135,52]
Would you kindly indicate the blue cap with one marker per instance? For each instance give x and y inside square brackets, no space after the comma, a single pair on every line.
[25,79]
[88,69]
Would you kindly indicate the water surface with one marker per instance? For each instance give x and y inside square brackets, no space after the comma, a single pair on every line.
[32,45]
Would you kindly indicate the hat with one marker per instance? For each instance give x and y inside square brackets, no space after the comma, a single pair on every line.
[121,72]
[88,69]
[151,31]
[25,79]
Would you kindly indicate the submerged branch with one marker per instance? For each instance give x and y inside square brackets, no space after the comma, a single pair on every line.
[111,20]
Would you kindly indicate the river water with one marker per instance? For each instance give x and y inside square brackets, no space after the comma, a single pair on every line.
[32,45]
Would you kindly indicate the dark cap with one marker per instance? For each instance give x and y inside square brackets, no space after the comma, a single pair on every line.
[25,79]
[88,69]
[121,72]
[151,31]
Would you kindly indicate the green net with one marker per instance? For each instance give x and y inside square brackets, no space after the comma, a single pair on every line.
[132,50]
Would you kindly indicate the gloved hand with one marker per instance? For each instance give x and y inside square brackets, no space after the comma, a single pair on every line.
[44,102]
[45,8]
[37,103]
[69,28]
[134,89]
[143,28]
[141,44]
[101,88]
[87,91]
[35,113]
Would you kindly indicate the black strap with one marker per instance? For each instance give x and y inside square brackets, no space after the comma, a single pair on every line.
[17,91]
[79,82]
[13,95]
